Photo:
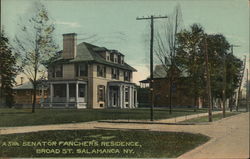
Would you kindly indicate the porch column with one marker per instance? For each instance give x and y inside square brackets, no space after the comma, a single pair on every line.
[42,99]
[121,97]
[86,94]
[135,91]
[67,94]
[107,97]
[51,94]
[129,96]
[132,97]
[77,94]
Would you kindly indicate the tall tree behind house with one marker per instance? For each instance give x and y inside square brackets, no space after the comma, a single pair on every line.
[8,71]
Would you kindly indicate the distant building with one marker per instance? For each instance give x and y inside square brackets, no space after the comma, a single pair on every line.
[89,76]
[161,89]
[23,94]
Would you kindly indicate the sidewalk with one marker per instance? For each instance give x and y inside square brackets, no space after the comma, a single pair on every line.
[161,121]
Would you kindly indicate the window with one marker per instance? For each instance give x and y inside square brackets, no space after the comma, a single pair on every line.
[107,57]
[115,73]
[126,94]
[115,59]
[57,71]
[81,90]
[101,93]
[112,57]
[101,71]
[120,59]
[81,69]
[59,90]
[72,90]
[126,76]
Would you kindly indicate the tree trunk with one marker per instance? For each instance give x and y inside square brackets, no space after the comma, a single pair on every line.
[34,97]
[195,106]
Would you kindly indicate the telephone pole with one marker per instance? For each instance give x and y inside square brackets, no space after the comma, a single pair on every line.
[224,86]
[247,93]
[151,18]
[241,79]
[208,84]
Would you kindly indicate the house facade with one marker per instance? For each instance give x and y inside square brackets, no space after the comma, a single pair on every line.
[88,76]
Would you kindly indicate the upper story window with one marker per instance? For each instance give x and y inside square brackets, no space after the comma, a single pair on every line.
[57,71]
[101,71]
[81,69]
[107,56]
[127,75]
[115,73]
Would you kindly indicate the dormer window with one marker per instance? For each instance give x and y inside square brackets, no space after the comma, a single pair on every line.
[120,59]
[115,59]
[107,56]
[112,57]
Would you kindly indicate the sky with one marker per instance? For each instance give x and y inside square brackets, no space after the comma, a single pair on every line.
[113,24]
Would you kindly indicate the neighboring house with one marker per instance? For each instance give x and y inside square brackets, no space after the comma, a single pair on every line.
[88,76]
[23,94]
[161,89]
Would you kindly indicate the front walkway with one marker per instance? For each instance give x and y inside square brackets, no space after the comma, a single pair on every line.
[229,136]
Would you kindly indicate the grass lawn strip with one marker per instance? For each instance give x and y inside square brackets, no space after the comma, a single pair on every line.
[203,119]
[99,143]
[24,117]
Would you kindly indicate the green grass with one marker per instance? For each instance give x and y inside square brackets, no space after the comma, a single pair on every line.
[216,117]
[24,117]
[148,143]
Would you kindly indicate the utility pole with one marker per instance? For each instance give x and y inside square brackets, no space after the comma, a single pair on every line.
[224,86]
[151,58]
[241,79]
[247,93]
[208,84]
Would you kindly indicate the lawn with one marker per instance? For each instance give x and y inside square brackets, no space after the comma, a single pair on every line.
[99,143]
[216,117]
[24,117]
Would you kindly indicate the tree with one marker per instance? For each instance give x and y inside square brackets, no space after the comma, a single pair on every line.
[8,69]
[165,46]
[190,58]
[36,45]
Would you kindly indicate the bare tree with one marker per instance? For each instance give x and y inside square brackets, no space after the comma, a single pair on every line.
[35,44]
[165,46]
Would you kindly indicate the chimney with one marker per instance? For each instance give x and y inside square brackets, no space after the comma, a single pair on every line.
[69,46]
[21,80]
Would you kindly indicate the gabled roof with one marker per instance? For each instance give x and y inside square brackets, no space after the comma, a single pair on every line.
[90,53]
[160,71]
[29,86]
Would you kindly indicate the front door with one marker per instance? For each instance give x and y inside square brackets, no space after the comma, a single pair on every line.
[114,97]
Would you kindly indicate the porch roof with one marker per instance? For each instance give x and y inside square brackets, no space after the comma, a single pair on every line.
[121,82]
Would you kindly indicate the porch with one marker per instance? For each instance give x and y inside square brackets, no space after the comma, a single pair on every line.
[121,95]
[66,94]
